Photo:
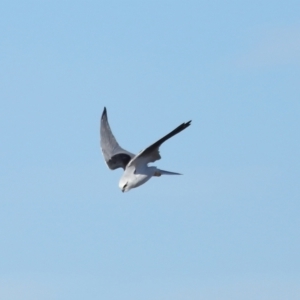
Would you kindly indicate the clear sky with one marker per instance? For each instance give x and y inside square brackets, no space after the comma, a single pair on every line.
[226,230]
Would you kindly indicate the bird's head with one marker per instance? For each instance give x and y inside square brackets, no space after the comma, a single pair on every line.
[124,185]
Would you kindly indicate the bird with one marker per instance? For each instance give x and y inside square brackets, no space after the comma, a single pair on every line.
[136,169]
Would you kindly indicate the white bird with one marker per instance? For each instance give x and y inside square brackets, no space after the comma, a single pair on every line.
[136,169]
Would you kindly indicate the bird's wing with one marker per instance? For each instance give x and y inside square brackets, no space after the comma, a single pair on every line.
[115,156]
[151,153]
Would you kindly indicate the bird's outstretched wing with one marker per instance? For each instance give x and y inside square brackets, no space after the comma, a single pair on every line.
[151,153]
[115,156]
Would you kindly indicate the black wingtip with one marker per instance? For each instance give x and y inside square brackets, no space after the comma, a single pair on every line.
[104,112]
[187,124]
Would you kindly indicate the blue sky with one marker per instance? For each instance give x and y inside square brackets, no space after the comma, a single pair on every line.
[228,228]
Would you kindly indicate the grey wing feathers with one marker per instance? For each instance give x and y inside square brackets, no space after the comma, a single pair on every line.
[115,156]
[151,153]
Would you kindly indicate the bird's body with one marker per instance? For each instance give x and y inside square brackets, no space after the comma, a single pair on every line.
[138,176]
[136,169]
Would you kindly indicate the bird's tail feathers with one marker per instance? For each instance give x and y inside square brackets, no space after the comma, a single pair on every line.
[162,172]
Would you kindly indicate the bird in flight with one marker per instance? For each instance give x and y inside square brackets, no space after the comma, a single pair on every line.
[136,169]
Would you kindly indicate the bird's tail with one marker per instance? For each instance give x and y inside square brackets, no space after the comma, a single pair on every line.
[162,172]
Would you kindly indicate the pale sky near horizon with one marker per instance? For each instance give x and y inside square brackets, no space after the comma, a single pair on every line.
[228,228]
